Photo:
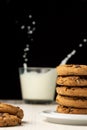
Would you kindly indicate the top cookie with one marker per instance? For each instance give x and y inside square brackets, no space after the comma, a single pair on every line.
[13,110]
[72,69]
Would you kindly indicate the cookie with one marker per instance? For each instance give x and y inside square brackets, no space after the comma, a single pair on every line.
[77,102]
[9,120]
[71,69]
[72,91]
[13,110]
[71,110]
[72,80]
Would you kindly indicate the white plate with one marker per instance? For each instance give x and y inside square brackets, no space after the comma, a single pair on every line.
[71,119]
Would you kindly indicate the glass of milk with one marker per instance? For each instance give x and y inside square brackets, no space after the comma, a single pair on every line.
[38,84]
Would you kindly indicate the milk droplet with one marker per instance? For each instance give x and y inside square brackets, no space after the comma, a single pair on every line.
[33,22]
[80,45]
[24,56]
[26,49]
[27,45]
[28,27]
[30,16]
[22,27]
[30,32]
[84,40]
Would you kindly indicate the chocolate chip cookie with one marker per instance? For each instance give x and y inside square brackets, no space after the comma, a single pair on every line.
[72,91]
[72,69]
[10,115]
[71,110]
[14,110]
[72,80]
[9,120]
[76,102]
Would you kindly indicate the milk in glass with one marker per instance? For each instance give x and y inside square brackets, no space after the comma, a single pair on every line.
[38,84]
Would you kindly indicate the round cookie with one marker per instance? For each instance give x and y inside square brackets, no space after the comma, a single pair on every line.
[9,120]
[70,110]
[71,69]
[72,80]
[72,91]
[7,108]
[71,101]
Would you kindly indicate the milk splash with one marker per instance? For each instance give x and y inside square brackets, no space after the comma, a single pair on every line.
[30,30]
[64,61]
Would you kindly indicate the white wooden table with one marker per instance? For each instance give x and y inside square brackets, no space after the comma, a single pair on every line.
[33,120]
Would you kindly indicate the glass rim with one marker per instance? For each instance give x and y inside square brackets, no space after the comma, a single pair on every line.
[37,68]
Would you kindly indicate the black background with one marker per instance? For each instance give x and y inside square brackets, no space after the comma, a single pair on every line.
[60,27]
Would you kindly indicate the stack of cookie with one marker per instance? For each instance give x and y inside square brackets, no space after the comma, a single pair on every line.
[72,89]
[10,115]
